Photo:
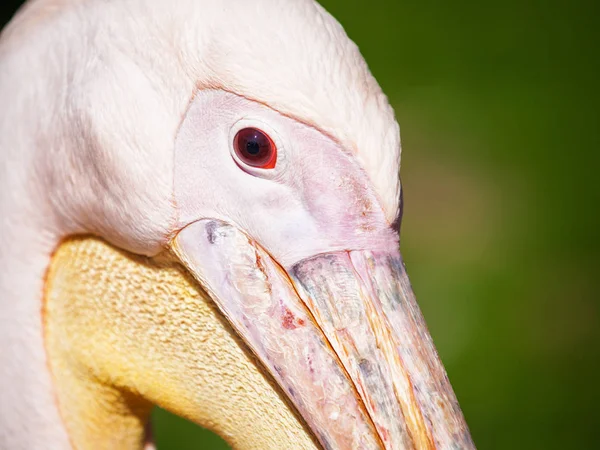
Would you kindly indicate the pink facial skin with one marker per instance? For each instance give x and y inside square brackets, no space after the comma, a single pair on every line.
[317,198]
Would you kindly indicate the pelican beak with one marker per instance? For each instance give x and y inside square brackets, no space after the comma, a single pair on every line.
[340,332]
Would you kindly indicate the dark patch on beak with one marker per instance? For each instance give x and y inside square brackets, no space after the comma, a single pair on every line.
[211,232]
[396,224]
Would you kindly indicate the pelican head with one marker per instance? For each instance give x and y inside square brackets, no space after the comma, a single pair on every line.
[200,210]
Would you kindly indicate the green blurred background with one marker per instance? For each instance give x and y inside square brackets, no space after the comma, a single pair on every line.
[498,105]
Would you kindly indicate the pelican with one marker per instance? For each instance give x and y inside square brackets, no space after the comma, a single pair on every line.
[200,209]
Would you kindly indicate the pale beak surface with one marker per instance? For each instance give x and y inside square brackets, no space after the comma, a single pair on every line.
[340,332]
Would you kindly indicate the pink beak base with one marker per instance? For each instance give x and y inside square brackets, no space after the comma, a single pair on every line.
[342,335]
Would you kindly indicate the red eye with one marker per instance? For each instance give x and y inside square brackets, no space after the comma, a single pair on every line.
[255,148]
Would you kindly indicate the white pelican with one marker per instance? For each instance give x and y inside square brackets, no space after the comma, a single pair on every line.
[231,168]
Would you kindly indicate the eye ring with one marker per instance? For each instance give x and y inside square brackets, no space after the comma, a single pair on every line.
[255,148]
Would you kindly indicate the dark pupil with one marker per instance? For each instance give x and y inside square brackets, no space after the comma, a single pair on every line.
[254,144]
[253,147]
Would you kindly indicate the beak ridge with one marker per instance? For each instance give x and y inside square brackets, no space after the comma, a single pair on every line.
[365,305]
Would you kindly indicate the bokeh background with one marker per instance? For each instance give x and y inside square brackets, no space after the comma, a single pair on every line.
[498,104]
